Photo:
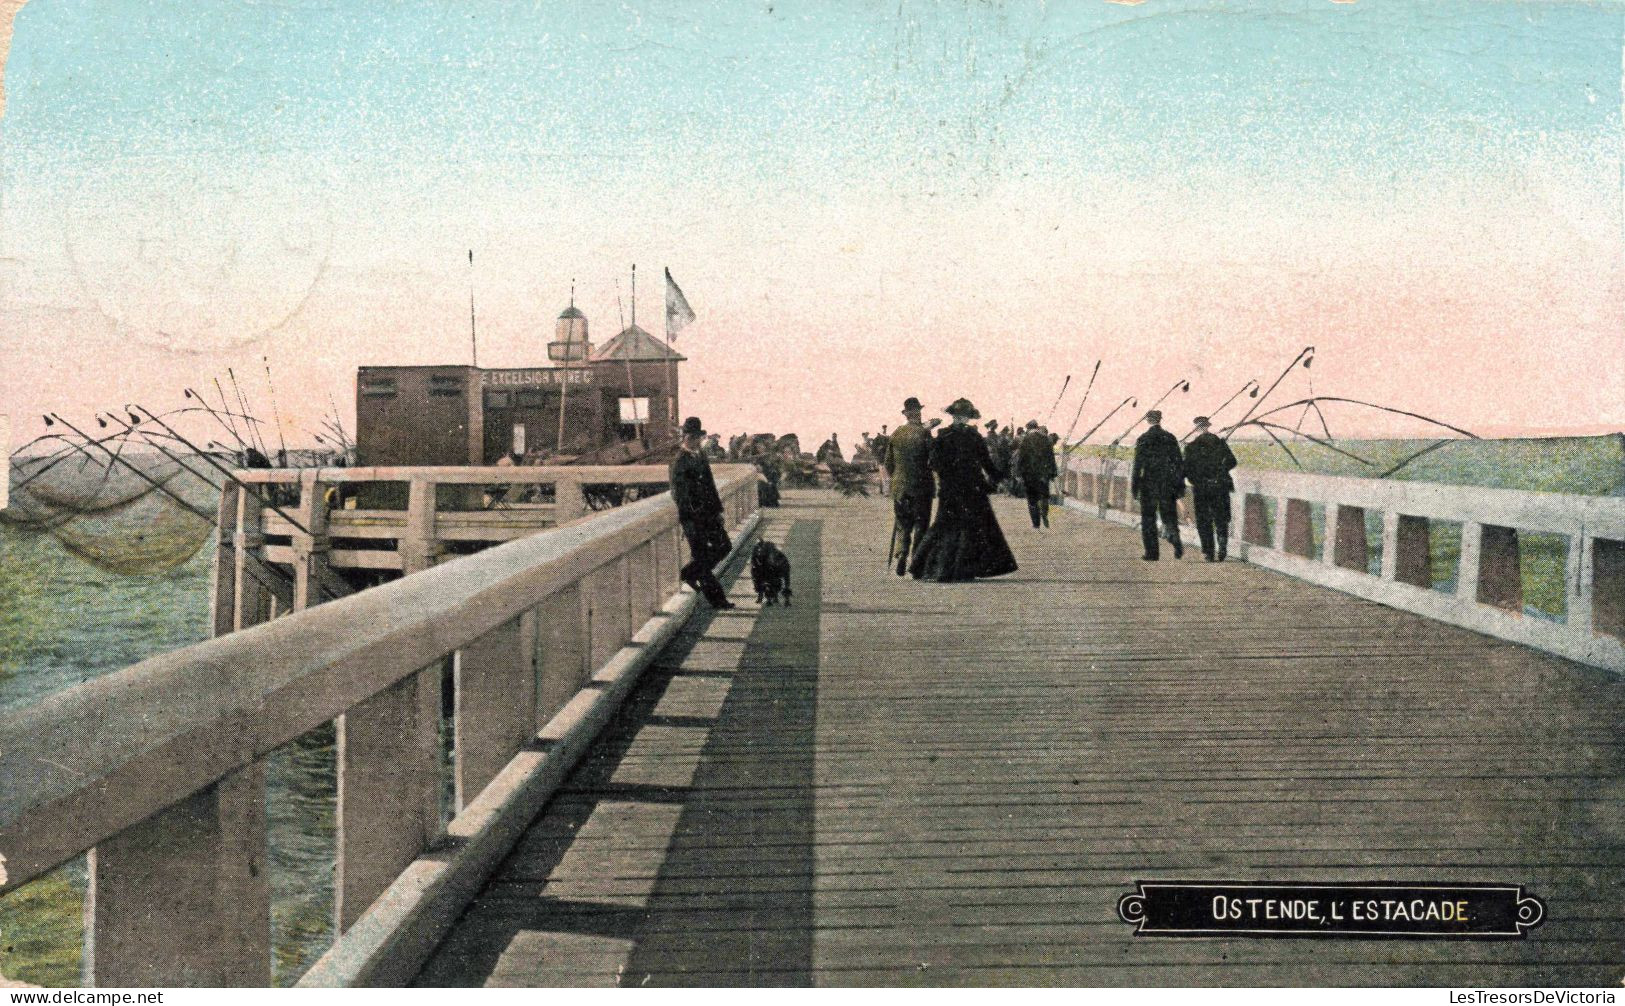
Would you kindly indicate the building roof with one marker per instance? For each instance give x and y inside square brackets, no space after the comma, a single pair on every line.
[571,312]
[634,344]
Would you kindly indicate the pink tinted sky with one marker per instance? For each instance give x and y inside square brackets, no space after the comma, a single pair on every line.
[1436,264]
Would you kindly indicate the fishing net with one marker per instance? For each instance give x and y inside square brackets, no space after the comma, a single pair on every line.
[111,517]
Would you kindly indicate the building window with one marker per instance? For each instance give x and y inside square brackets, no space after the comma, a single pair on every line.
[529,399]
[446,386]
[499,399]
[377,387]
[634,410]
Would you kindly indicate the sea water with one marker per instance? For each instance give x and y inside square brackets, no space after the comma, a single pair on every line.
[64,622]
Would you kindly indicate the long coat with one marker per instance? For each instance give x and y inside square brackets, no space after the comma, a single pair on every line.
[1159,467]
[1208,460]
[1035,458]
[965,541]
[699,507]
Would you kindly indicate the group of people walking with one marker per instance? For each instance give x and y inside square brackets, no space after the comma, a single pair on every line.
[952,471]
[1161,470]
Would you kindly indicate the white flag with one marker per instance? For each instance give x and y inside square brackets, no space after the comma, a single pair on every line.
[678,313]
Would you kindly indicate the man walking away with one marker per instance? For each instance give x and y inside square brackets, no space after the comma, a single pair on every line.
[1035,467]
[908,463]
[1158,482]
[1208,460]
[699,511]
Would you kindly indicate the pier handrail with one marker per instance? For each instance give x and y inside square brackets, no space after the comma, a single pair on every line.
[158,753]
[1488,594]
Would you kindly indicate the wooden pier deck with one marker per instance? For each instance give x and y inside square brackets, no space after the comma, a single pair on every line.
[902,783]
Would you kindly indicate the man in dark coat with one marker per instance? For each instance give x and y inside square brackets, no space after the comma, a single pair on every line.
[908,463]
[1208,460]
[1035,467]
[1158,482]
[699,511]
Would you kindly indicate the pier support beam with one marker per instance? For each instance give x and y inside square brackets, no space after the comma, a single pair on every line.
[183,898]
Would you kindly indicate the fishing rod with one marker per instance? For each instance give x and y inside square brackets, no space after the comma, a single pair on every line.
[143,475]
[148,439]
[206,456]
[1058,398]
[226,408]
[242,407]
[1307,355]
[55,457]
[212,413]
[276,413]
[1180,385]
[1129,402]
[1253,384]
[1079,414]
[1381,408]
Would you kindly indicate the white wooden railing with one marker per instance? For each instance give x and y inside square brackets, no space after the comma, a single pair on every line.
[1488,594]
[158,770]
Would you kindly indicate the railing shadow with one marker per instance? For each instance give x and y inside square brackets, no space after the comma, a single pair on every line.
[680,851]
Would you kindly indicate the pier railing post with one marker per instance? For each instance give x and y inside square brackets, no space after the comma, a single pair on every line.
[495,705]
[310,551]
[223,597]
[388,789]
[569,502]
[183,898]
[561,650]
[248,606]
[417,545]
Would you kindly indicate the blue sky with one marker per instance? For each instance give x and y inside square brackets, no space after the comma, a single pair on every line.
[1044,182]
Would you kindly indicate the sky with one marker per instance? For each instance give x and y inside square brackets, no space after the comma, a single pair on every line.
[863,201]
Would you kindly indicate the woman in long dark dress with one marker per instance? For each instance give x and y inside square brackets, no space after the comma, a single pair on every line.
[965,541]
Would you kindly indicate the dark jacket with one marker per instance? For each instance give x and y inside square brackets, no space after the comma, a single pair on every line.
[963,465]
[693,488]
[1159,468]
[908,462]
[1208,460]
[1035,458]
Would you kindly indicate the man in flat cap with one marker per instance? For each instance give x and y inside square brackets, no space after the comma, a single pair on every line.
[908,463]
[1208,460]
[1035,467]
[1158,482]
[699,511]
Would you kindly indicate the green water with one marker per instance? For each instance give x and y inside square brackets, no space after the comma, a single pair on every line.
[63,621]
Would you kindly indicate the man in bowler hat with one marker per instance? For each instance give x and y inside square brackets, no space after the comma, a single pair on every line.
[1158,482]
[908,462]
[1208,460]
[699,511]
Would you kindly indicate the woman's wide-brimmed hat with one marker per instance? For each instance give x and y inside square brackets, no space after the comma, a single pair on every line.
[963,407]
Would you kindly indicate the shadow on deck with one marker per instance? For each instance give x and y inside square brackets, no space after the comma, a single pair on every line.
[899,783]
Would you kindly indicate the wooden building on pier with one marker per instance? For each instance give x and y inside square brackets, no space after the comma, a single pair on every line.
[585,404]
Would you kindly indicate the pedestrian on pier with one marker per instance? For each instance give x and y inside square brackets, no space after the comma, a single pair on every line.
[1208,461]
[1157,482]
[699,512]
[908,463]
[965,542]
[1035,467]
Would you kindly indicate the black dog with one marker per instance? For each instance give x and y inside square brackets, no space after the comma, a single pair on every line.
[770,573]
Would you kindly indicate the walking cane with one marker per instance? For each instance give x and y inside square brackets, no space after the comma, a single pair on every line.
[891,549]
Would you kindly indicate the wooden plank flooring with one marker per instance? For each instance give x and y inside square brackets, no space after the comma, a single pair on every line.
[900,783]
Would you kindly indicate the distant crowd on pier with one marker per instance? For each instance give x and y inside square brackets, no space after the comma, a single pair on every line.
[953,471]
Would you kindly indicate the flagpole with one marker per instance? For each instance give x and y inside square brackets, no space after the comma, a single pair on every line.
[564,378]
[472,341]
